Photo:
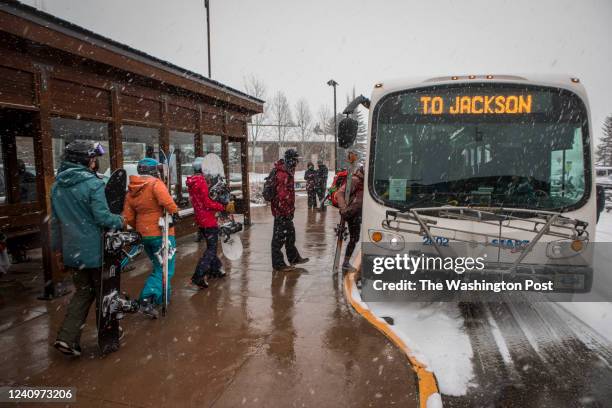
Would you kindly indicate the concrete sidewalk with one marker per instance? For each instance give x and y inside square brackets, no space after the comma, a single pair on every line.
[255,338]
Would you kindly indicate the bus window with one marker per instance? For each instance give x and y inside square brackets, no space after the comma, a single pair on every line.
[530,158]
[566,170]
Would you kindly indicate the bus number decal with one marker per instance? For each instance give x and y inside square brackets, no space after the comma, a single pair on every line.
[442,241]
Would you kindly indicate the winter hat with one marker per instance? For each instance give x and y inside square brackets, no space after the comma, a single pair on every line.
[148,166]
[197,164]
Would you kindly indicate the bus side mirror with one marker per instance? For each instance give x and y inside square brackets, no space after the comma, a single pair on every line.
[347,132]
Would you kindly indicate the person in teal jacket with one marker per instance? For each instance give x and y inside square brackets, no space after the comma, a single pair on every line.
[79,215]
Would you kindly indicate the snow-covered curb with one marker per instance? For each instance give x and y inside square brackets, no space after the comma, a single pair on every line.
[427,383]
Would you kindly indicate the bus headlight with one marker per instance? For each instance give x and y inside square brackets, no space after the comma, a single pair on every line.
[387,240]
[565,248]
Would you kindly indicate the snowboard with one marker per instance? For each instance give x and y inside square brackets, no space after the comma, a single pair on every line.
[110,305]
[231,244]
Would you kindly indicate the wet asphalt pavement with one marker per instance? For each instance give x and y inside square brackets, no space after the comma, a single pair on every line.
[255,338]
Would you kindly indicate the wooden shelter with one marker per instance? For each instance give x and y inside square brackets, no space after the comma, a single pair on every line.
[60,82]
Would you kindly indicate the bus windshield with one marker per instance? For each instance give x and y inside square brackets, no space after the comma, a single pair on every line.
[482,145]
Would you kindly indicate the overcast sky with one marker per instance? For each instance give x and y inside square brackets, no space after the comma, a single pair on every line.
[296,46]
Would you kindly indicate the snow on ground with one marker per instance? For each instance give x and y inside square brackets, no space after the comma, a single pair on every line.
[597,315]
[434,332]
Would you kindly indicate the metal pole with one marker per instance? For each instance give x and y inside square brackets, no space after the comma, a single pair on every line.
[207,6]
[335,129]
[333,83]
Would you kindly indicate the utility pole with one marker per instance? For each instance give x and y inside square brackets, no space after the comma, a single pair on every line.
[207,6]
[333,83]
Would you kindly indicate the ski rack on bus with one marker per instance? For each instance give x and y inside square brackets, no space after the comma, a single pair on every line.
[541,223]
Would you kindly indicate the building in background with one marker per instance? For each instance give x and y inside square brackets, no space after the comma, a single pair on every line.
[267,149]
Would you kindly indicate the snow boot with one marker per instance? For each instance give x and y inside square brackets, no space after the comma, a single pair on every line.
[147,307]
[201,283]
[65,348]
[284,268]
[299,261]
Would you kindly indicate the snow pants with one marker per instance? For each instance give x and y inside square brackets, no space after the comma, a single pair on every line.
[283,235]
[209,262]
[86,286]
[153,284]
[321,195]
[312,198]
[354,229]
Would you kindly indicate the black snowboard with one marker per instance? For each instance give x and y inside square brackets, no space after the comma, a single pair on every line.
[108,325]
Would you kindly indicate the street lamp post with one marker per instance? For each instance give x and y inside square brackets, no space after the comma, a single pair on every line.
[207,6]
[333,83]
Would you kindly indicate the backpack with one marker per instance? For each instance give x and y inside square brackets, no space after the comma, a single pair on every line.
[269,188]
[339,181]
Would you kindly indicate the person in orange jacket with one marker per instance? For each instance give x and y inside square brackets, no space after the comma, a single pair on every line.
[145,202]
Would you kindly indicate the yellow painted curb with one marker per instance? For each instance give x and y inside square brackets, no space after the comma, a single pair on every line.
[426,379]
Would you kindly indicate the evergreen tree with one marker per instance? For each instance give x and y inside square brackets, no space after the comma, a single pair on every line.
[604,149]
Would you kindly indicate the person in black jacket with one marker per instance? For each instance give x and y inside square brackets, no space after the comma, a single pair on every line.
[310,176]
[321,182]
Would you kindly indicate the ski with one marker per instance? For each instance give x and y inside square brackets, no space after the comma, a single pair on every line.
[165,252]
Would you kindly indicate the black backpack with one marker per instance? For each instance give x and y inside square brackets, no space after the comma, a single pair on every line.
[269,188]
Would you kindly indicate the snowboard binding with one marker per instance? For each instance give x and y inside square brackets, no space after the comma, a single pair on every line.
[228,228]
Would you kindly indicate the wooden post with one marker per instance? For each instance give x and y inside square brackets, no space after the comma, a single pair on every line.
[199,149]
[116,136]
[225,156]
[43,151]
[246,187]
[225,148]
[164,136]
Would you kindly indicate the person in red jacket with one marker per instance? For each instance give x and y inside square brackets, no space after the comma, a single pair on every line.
[205,210]
[283,207]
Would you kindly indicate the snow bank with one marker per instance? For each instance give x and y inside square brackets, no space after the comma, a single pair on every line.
[434,401]
[434,332]
[597,315]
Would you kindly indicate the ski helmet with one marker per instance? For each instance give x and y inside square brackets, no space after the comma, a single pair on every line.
[148,167]
[82,151]
[197,164]
[292,157]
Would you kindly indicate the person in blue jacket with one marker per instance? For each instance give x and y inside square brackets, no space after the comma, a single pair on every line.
[79,215]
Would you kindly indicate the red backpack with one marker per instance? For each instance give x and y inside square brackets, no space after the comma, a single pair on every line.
[338,181]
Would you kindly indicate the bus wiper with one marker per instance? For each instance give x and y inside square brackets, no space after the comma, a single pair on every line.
[430,198]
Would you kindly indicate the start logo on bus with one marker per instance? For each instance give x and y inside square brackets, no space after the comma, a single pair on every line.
[476,104]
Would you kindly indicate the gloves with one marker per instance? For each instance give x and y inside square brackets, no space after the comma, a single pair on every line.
[230,207]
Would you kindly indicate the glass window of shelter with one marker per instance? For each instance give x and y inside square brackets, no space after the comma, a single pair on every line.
[66,130]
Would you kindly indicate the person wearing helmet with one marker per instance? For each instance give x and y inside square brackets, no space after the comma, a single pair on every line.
[146,200]
[283,208]
[205,209]
[79,216]
[321,182]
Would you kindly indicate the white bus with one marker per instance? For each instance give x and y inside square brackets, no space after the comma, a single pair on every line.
[497,166]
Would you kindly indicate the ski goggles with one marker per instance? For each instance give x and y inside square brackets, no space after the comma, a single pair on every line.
[96,150]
